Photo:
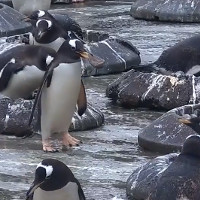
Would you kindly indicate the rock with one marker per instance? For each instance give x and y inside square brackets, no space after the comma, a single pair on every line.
[26,8]
[143,180]
[67,1]
[136,89]
[7,2]
[183,56]
[119,56]
[14,116]
[167,134]
[169,177]
[11,22]
[167,10]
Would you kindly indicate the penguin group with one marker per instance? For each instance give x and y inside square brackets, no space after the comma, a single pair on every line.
[52,63]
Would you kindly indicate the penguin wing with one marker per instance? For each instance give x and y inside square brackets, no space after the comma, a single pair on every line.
[9,70]
[82,100]
[80,191]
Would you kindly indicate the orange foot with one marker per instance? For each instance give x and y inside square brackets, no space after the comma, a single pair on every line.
[51,146]
[70,141]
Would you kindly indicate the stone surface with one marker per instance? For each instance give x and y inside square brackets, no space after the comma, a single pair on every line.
[26,8]
[136,89]
[167,10]
[14,116]
[11,22]
[143,180]
[167,134]
[119,56]
[169,177]
[7,2]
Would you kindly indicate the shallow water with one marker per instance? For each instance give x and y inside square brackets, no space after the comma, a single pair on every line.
[110,153]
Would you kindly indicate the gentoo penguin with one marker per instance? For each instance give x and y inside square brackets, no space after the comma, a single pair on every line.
[181,179]
[22,69]
[54,181]
[192,120]
[67,23]
[48,32]
[183,56]
[59,93]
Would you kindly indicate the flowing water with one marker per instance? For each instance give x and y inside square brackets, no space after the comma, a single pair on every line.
[110,153]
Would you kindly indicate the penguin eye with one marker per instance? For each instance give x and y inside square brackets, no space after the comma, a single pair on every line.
[73,48]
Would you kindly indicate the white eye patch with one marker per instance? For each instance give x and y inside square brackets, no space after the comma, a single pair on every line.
[49,169]
[73,43]
[47,21]
[41,13]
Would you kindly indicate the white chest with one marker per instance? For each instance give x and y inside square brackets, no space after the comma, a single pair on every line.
[69,192]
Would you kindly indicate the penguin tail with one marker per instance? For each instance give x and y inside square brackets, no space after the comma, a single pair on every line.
[149,68]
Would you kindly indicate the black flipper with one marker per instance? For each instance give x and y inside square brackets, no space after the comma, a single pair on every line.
[82,100]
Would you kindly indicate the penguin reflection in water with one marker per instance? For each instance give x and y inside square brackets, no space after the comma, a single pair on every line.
[59,93]
[54,181]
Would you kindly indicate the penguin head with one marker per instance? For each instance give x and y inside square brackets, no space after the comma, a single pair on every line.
[191,146]
[77,50]
[42,29]
[50,175]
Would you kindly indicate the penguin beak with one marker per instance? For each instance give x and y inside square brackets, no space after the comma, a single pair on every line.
[95,61]
[185,121]
[26,19]
[31,190]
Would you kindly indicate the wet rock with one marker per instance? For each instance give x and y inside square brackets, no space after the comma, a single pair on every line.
[143,180]
[169,177]
[119,56]
[11,22]
[26,8]
[7,2]
[183,56]
[167,134]
[167,10]
[136,89]
[14,116]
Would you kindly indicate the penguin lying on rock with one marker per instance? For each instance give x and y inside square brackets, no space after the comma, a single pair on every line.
[54,181]
[59,93]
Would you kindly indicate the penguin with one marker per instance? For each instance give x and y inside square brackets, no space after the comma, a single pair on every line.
[183,56]
[181,179]
[49,32]
[22,69]
[67,23]
[54,181]
[192,120]
[59,91]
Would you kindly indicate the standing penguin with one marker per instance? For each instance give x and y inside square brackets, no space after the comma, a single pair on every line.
[22,69]
[59,93]
[54,181]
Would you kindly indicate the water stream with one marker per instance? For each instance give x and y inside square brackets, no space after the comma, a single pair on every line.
[110,153]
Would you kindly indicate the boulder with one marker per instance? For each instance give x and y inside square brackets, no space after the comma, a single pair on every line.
[167,134]
[167,177]
[150,90]
[167,10]
[11,22]
[14,116]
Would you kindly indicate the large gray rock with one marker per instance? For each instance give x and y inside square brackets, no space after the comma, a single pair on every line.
[167,134]
[11,22]
[119,56]
[7,2]
[136,89]
[143,180]
[167,10]
[14,116]
[169,177]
